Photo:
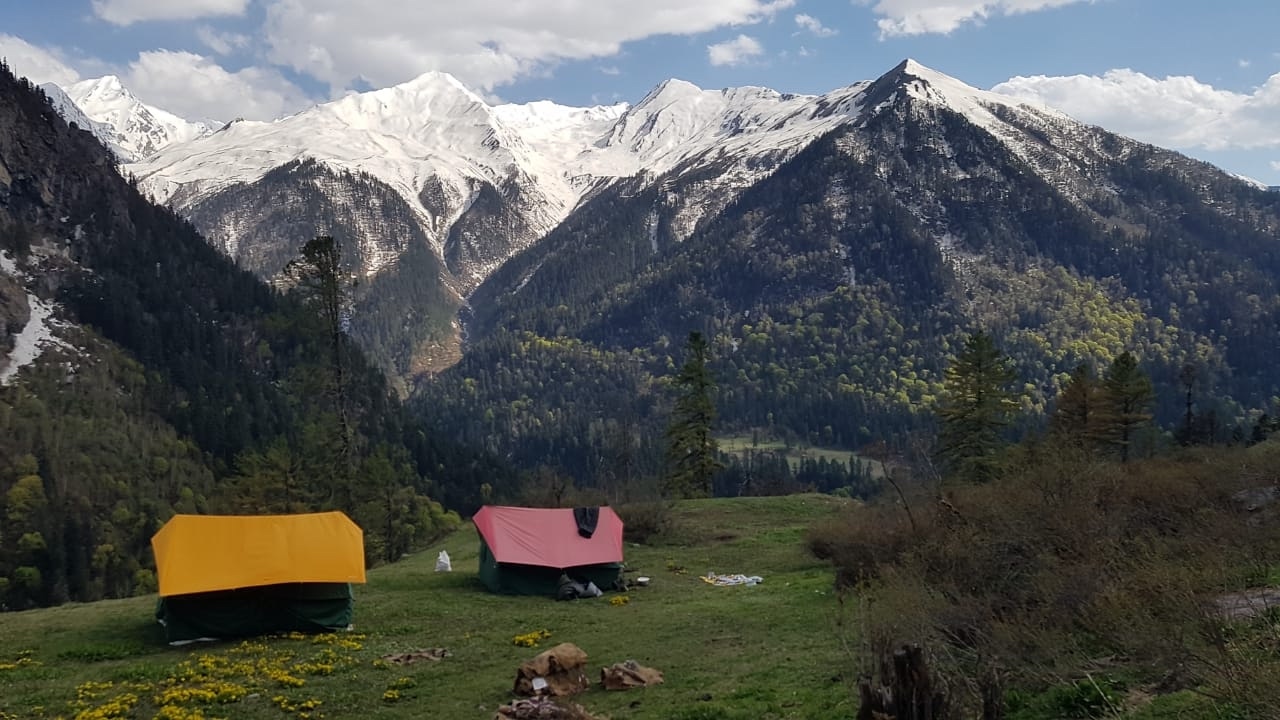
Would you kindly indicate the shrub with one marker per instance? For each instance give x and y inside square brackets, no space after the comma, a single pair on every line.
[1067,562]
[645,522]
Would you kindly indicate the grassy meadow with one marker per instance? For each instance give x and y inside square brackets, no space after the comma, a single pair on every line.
[770,651]
[736,444]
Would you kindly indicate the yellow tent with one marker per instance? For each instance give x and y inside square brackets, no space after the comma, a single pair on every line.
[205,553]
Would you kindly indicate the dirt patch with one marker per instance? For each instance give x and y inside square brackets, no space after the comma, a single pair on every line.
[1247,604]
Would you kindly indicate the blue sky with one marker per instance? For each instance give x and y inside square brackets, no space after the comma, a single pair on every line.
[1203,78]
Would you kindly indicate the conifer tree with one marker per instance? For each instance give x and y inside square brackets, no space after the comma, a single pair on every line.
[977,404]
[1128,394]
[319,276]
[692,452]
[1080,408]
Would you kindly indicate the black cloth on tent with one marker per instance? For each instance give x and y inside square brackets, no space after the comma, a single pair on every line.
[586,517]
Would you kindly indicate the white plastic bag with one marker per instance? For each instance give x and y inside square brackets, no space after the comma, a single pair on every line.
[442,562]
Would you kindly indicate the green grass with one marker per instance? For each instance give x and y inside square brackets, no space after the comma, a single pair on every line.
[733,444]
[769,651]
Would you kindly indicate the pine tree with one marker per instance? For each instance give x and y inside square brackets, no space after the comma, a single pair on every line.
[1080,408]
[319,277]
[976,406]
[692,452]
[1128,394]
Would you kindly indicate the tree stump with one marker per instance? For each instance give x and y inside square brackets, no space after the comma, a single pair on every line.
[906,690]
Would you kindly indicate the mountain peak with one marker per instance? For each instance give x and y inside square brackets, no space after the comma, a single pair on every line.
[911,79]
[671,90]
[129,126]
[916,78]
[910,66]
[437,82]
[105,88]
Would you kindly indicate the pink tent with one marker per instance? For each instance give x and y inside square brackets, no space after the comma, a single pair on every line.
[525,550]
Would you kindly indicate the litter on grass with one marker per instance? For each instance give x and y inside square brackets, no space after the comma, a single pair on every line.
[723,580]
[413,656]
[542,709]
[627,675]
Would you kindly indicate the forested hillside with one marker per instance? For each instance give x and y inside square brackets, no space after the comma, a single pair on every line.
[401,312]
[175,382]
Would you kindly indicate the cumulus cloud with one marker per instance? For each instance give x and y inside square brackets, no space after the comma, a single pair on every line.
[485,43]
[127,12]
[813,25]
[918,17]
[39,65]
[1177,111]
[735,51]
[1275,165]
[222,43]
[193,86]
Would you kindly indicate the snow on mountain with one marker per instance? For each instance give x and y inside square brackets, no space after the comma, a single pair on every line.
[132,128]
[1060,149]
[36,334]
[430,134]
[745,133]
[72,113]
[438,144]
[449,154]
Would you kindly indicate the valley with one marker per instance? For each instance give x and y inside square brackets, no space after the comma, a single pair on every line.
[945,366]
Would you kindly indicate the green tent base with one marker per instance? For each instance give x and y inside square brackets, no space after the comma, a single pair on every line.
[514,579]
[251,611]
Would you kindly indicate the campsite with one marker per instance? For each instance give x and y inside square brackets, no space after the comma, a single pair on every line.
[775,650]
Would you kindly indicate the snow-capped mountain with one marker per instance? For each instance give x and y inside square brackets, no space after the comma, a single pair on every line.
[487,181]
[469,169]
[432,140]
[434,191]
[132,129]
[72,113]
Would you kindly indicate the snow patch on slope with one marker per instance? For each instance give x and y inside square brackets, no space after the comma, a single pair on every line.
[35,336]
[1057,147]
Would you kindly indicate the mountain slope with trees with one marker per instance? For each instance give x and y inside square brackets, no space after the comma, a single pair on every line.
[175,382]
[834,290]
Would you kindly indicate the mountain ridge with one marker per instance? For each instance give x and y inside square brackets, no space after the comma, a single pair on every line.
[524,218]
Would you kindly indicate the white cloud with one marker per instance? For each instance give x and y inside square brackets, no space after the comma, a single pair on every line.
[39,65]
[1179,112]
[485,43]
[813,25]
[611,70]
[735,51]
[127,12]
[195,87]
[1244,63]
[222,43]
[1275,165]
[918,17]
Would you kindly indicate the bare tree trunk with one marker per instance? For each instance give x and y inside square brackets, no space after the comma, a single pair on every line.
[906,690]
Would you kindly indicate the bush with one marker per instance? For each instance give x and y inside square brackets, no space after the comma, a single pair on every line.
[1067,563]
[644,522]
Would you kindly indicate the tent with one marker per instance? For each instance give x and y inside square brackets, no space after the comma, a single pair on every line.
[236,576]
[523,551]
